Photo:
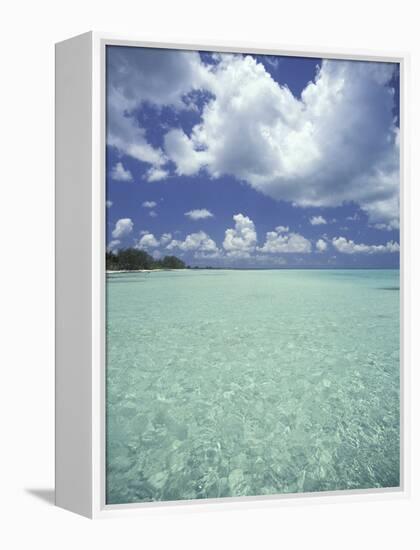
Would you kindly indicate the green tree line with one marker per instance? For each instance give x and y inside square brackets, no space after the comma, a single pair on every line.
[131,258]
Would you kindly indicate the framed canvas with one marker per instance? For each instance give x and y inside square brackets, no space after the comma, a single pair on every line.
[231,277]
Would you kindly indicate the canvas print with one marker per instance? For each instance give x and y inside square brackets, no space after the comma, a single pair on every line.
[252,313]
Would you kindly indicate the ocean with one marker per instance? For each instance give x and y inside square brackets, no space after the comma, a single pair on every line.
[227,383]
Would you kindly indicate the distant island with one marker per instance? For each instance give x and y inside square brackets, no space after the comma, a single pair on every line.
[132,259]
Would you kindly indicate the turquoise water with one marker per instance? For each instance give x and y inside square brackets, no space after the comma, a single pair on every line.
[233,383]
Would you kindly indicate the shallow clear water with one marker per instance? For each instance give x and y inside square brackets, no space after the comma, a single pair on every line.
[234,383]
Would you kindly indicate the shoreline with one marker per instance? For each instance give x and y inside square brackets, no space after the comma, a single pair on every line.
[110,271]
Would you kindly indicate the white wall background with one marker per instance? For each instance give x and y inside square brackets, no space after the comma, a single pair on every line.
[28,32]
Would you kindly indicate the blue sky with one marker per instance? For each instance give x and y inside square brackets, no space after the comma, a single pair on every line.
[253,161]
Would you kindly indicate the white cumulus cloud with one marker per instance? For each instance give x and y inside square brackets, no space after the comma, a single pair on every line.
[149,204]
[148,240]
[393,224]
[199,214]
[240,241]
[119,173]
[347,246]
[156,76]
[156,174]
[279,242]
[337,143]
[199,243]
[113,245]
[165,238]
[321,245]
[180,149]
[122,228]
[317,220]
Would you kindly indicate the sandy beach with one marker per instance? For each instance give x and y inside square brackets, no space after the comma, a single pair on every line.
[110,271]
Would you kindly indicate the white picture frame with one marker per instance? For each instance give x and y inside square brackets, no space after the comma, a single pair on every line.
[80,289]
